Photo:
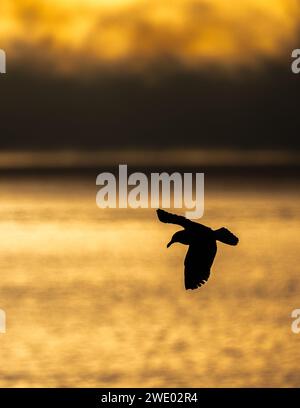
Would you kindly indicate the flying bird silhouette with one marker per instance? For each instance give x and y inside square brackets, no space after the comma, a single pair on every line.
[202,246]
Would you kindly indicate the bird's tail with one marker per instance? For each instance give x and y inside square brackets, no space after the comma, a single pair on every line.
[225,236]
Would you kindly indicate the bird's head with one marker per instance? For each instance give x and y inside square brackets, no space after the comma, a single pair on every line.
[182,237]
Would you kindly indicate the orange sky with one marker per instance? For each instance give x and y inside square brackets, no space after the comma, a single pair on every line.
[68,35]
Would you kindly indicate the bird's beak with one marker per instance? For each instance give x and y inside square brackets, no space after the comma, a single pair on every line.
[170,243]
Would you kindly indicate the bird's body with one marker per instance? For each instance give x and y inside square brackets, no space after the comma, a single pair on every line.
[202,246]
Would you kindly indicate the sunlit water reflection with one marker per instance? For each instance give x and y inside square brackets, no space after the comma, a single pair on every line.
[94,298]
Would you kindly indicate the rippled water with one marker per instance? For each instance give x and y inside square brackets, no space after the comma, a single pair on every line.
[94,298]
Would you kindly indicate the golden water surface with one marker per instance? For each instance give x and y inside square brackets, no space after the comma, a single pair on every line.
[94,298]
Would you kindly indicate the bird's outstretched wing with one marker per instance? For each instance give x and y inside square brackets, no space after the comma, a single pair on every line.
[197,264]
[169,218]
[226,236]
